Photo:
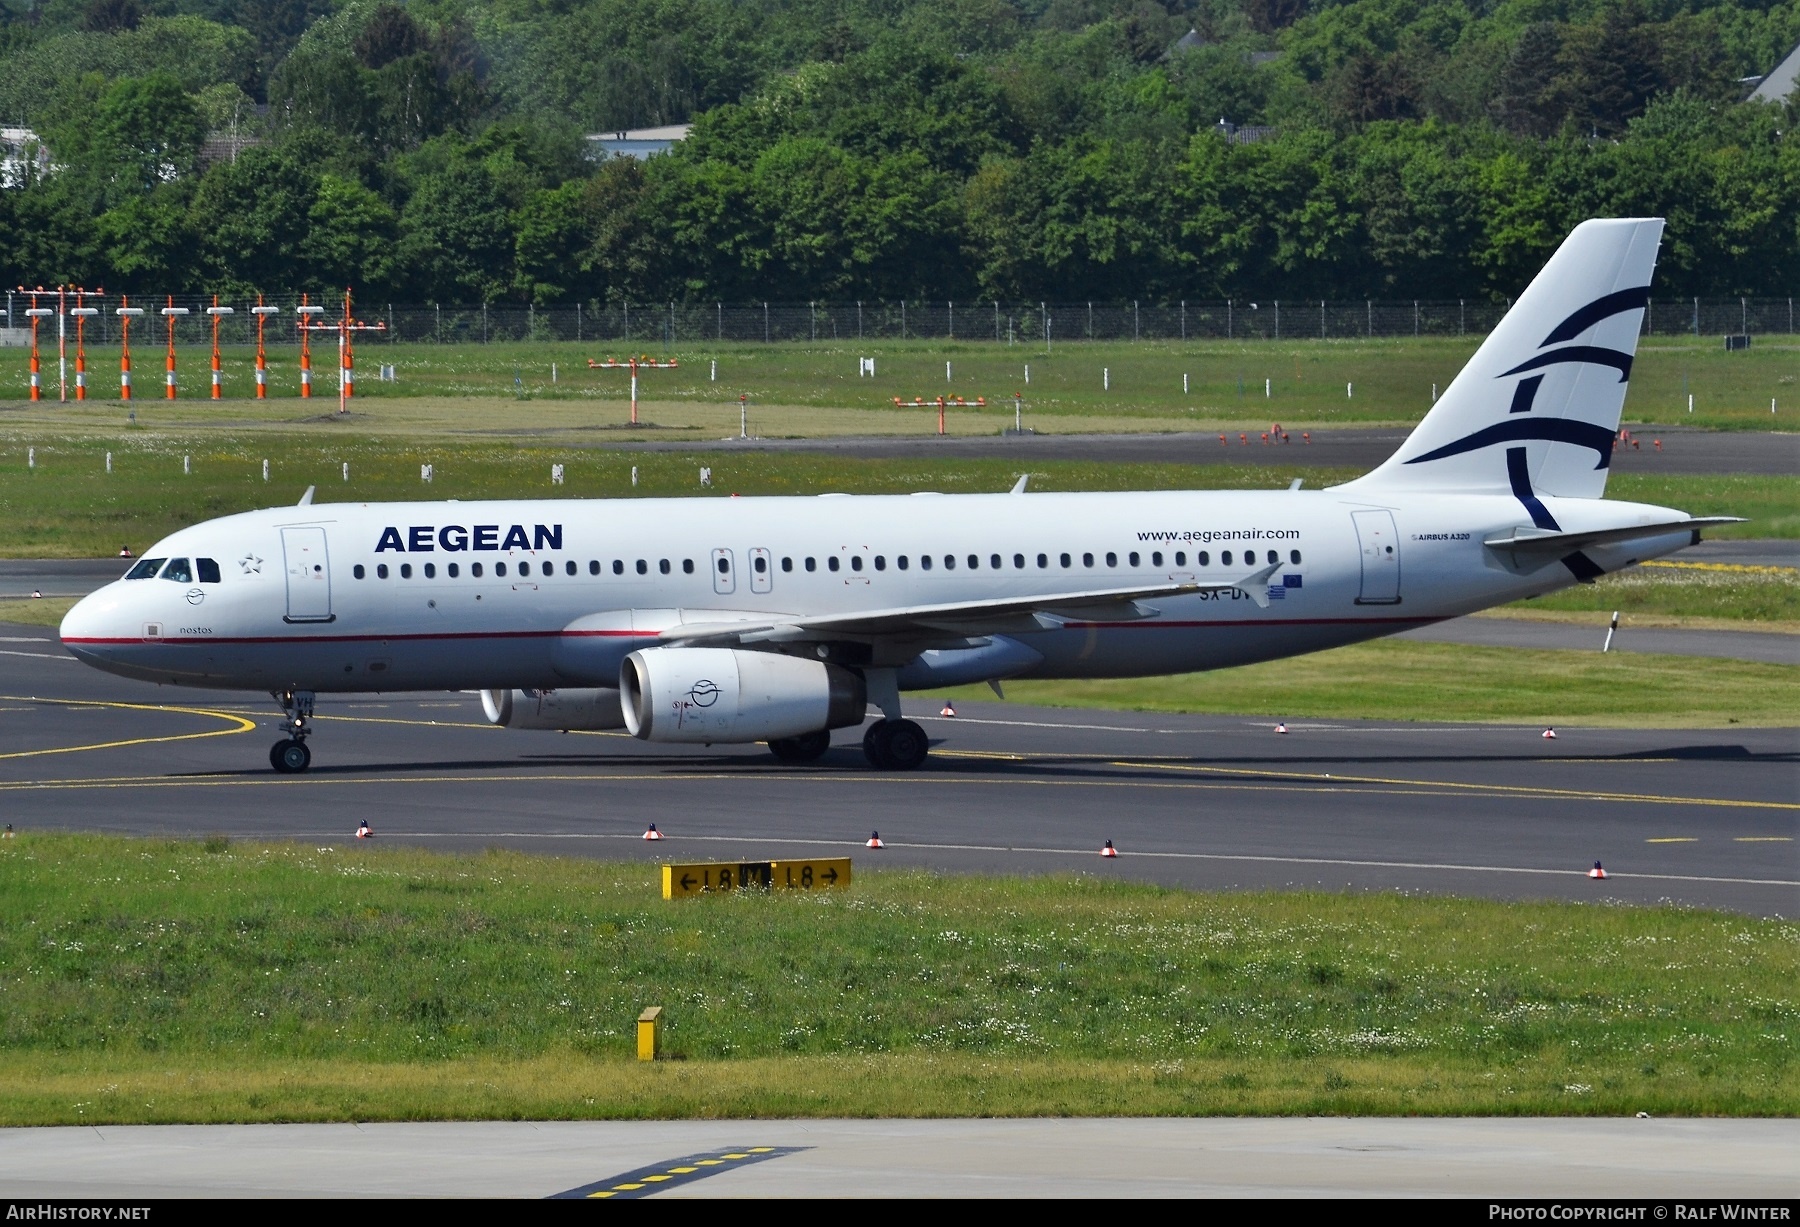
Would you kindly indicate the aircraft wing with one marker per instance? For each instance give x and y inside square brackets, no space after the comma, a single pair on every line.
[1547,541]
[965,618]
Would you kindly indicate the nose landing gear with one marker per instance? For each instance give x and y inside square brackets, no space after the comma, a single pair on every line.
[290,755]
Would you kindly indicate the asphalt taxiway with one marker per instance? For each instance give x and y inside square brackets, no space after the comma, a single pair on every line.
[1581,1159]
[1704,817]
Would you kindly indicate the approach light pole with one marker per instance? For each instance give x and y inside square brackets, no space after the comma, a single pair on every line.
[171,313]
[217,312]
[34,313]
[632,364]
[262,314]
[306,313]
[344,327]
[82,314]
[126,314]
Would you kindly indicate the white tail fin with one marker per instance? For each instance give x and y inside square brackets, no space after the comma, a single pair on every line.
[1536,409]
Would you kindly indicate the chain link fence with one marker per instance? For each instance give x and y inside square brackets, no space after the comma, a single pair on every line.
[642,324]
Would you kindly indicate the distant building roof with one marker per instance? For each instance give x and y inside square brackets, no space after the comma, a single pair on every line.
[638,142]
[225,146]
[1191,41]
[1781,79]
[1244,134]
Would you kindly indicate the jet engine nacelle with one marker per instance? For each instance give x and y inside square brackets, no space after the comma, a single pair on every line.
[725,695]
[553,709]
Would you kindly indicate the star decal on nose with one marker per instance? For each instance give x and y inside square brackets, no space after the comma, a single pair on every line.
[250,564]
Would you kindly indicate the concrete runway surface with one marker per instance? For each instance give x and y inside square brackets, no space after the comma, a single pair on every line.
[1486,1158]
[1704,817]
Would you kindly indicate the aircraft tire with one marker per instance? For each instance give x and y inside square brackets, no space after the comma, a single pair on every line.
[875,745]
[907,746]
[802,749]
[290,757]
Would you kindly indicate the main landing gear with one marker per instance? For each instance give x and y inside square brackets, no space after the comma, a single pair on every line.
[290,755]
[895,745]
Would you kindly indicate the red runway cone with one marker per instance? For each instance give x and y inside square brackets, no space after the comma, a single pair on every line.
[1281,726]
[363,831]
[653,833]
[949,709]
[1596,871]
[875,840]
[1549,734]
[1109,850]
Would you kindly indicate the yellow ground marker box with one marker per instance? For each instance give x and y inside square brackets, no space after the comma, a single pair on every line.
[649,1034]
[818,873]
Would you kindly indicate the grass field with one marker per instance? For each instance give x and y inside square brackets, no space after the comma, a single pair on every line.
[68,505]
[208,981]
[1399,680]
[1079,386]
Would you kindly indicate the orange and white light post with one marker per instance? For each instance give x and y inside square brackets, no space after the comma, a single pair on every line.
[306,313]
[126,313]
[632,364]
[82,313]
[34,313]
[171,313]
[262,313]
[344,327]
[218,376]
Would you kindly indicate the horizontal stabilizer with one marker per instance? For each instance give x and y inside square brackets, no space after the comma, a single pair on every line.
[1545,541]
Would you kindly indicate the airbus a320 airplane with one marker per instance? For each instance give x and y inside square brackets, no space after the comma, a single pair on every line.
[780,619]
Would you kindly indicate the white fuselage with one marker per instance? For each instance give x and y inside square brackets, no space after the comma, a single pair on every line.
[381,597]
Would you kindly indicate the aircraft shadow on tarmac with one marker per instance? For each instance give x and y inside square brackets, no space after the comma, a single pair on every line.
[846,758]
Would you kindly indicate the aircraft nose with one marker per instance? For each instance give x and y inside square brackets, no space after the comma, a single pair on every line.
[96,622]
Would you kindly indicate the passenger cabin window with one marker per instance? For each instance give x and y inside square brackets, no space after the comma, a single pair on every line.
[1203,559]
[759,564]
[499,569]
[831,564]
[1181,558]
[569,567]
[924,562]
[1019,561]
[452,570]
[1156,559]
[524,568]
[687,566]
[209,570]
[1087,560]
[146,568]
[811,565]
[1132,558]
[406,570]
[179,571]
[724,566]
[1294,557]
[856,562]
[787,564]
[643,568]
[1064,559]
[1043,561]
[1112,560]
[663,566]
[880,563]
[1224,557]
[358,571]
[974,562]
[475,569]
[381,570]
[949,562]
[431,570]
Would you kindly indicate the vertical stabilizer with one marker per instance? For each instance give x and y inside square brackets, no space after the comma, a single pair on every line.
[1535,410]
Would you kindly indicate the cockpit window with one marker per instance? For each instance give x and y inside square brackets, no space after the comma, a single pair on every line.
[179,571]
[146,568]
[209,570]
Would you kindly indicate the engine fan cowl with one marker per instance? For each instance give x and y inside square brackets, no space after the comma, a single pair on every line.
[727,695]
[553,709]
